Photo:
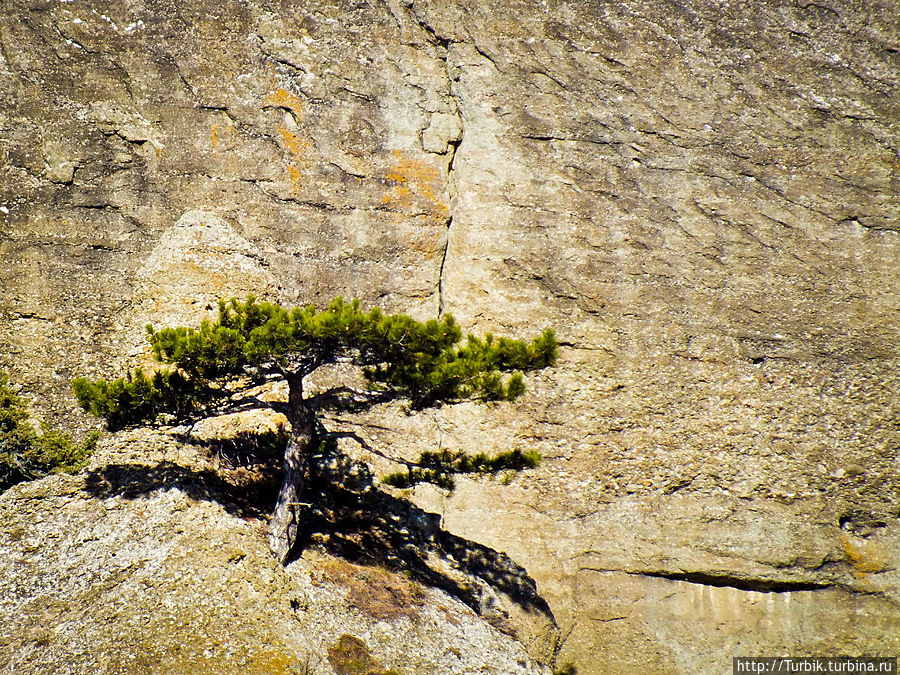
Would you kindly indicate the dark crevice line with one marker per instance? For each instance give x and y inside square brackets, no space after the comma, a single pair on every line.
[727,581]
[452,149]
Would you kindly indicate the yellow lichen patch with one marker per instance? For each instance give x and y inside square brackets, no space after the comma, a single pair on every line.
[281,98]
[395,176]
[428,243]
[272,661]
[414,184]
[298,148]
[294,174]
[222,135]
[295,145]
[399,195]
[864,557]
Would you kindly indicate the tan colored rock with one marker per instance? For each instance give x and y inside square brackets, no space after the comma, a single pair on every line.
[140,566]
[263,422]
[701,200]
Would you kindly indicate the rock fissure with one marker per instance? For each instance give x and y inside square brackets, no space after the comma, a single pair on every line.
[431,31]
[444,254]
[610,618]
[44,40]
[715,580]
[453,145]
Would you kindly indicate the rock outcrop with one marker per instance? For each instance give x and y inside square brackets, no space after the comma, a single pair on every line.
[700,198]
[144,565]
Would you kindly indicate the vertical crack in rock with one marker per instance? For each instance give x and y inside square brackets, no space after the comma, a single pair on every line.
[451,189]
[430,30]
[442,44]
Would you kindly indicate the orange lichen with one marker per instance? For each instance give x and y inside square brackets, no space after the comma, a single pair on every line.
[295,145]
[414,181]
[399,195]
[863,557]
[222,135]
[428,243]
[281,98]
[298,148]
[294,174]
[413,192]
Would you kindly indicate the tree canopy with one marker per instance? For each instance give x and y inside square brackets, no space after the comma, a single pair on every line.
[425,363]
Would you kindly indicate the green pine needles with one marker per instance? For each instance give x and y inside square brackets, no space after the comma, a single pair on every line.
[424,362]
[438,468]
[27,453]
[138,397]
[205,369]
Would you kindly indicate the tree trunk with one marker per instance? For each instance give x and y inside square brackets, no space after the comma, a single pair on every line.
[285,521]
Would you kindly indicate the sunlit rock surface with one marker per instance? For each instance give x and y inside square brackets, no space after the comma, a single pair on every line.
[701,199]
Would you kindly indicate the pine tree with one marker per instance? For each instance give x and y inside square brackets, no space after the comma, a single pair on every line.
[425,363]
[27,453]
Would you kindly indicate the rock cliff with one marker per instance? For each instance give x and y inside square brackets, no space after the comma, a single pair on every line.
[700,197]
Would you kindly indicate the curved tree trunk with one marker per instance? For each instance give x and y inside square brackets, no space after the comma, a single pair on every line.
[285,522]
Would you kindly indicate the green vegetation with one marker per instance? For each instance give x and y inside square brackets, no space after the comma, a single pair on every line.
[351,656]
[423,362]
[137,397]
[27,453]
[250,343]
[438,467]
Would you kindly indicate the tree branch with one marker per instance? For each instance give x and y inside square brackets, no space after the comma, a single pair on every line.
[352,435]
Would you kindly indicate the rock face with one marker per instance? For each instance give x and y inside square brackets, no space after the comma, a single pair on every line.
[700,198]
[137,567]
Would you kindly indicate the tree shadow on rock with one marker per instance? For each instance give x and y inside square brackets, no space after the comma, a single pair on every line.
[348,516]
[133,481]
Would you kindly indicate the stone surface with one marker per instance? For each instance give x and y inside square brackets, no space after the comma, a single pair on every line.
[700,198]
[147,569]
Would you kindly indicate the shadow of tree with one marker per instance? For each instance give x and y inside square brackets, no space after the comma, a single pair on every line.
[133,481]
[350,517]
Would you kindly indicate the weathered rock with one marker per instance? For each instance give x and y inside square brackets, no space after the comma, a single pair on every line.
[141,566]
[701,199]
[235,426]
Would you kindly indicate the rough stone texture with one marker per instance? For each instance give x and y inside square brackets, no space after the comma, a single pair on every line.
[104,574]
[700,197]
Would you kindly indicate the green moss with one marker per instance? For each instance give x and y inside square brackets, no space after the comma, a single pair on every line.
[350,656]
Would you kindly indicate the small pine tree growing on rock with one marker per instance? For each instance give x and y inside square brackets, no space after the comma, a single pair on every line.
[27,453]
[425,363]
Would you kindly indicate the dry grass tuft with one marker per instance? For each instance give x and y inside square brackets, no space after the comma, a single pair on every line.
[376,591]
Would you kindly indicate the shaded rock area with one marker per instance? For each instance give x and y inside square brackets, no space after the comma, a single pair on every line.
[700,198]
[146,563]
